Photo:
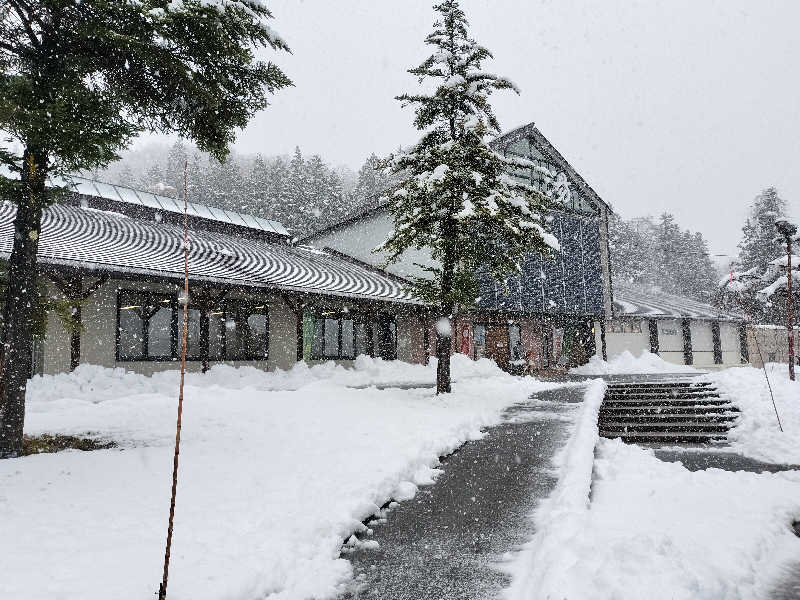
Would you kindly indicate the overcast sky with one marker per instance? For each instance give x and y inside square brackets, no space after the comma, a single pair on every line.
[687,106]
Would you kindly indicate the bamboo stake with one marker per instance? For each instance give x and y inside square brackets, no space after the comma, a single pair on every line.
[162,591]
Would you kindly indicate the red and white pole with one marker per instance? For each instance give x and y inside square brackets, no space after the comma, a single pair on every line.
[790,324]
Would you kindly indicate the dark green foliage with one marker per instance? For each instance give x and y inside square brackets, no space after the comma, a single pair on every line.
[454,195]
[760,241]
[78,80]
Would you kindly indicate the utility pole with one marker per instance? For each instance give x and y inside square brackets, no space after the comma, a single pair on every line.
[787,230]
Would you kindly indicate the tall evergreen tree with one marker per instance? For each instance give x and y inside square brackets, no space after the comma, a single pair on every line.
[760,243]
[78,80]
[454,195]
[373,181]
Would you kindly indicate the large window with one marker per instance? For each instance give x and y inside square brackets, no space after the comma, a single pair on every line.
[150,326]
[345,335]
[147,326]
[246,334]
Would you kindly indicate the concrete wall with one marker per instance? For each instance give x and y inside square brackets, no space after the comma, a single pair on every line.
[99,317]
[768,343]
[670,342]
[731,347]
[702,344]
[635,342]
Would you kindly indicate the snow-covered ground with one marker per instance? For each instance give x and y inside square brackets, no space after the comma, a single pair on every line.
[756,433]
[276,471]
[637,527]
[626,363]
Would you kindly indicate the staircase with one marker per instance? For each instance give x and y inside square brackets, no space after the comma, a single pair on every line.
[664,411]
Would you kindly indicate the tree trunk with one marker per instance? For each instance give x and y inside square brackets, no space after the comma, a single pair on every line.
[444,342]
[15,352]
[443,364]
[75,339]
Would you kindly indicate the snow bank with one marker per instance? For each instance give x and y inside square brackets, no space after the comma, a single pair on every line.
[93,383]
[277,470]
[756,433]
[656,530]
[560,519]
[626,362]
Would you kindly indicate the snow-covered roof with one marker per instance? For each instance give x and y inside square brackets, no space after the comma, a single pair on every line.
[119,193]
[635,301]
[532,133]
[111,242]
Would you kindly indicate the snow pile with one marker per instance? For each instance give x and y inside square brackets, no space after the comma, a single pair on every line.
[271,485]
[756,432]
[93,383]
[560,519]
[626,362]
[656,530]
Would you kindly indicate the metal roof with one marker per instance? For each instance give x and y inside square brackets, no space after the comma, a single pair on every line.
[119,193]
[108,241]
[637,301]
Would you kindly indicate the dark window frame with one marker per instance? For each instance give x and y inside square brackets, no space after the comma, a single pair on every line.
[368,320]
[147,298]
[243,305]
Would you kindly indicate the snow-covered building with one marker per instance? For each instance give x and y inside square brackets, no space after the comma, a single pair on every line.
[257,298]
[547,315]
[680,330]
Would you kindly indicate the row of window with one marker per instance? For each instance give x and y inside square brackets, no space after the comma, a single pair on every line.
[149,328]
[333,335]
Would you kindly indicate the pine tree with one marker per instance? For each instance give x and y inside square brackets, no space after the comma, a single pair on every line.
[297,208]
[372,183]
[760,243]
[78,81]
[454,195]
[670,254]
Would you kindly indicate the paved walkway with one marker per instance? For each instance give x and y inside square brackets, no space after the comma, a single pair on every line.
[447,540]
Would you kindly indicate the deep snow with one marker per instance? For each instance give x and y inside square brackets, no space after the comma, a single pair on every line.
[626,363]
[635,527]
[277,470]
[756,433]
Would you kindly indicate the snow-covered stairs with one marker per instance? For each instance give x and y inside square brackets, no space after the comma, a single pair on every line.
[665,412]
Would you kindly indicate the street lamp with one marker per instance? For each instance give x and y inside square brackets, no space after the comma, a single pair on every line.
[787,230]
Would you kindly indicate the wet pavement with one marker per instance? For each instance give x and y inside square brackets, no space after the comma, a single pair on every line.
[448,541]
[699,459]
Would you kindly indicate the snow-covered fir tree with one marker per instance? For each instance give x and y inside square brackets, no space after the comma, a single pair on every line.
[454,195]
[760,243]
[373,181]
[661,255]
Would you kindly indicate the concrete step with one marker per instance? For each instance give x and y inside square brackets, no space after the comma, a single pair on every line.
[668,417]
[621,403]
[660,396]
[660,385]
[667,427]
[661,409]
[662,438]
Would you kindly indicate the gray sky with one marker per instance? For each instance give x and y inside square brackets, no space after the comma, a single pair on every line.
[687,106]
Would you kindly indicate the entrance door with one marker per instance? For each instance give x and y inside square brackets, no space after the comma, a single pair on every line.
[497,345]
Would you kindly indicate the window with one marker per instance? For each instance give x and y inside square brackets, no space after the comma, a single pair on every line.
[346,335]
[150,327]
[515,342]
[146,326]
[246,332]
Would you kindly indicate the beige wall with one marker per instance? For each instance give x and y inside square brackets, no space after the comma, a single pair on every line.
[99,317]
[773,343]
[670,342]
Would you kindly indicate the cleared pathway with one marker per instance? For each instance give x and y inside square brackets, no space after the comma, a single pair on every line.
[448,540]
